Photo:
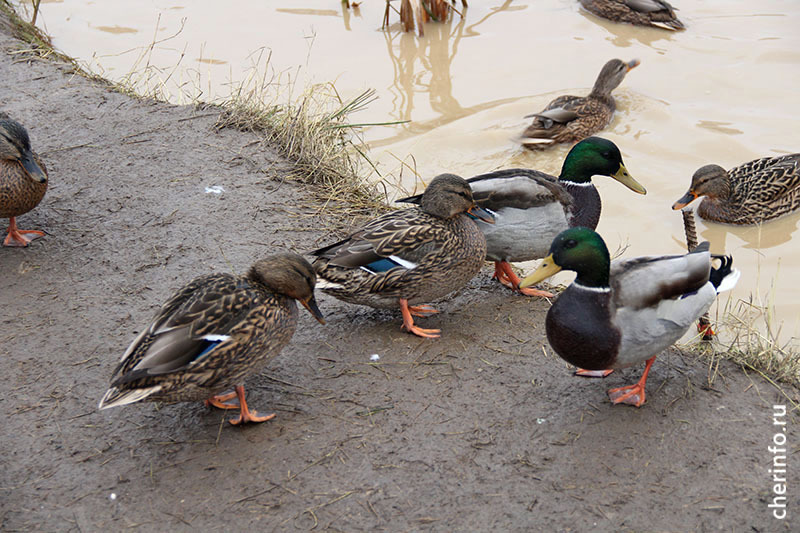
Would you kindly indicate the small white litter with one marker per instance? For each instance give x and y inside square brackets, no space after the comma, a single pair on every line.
[112,496]
[215,189]
[541,420]
[374,357]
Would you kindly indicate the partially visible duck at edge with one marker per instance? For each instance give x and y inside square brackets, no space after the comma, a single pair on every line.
[23,180]
[751,193]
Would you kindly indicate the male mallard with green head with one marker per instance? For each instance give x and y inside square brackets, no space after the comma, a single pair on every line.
[411,256]
[23,180]
[571,118]
[621,314]
[656,13]
[213,333]
[531,208]
[751,193]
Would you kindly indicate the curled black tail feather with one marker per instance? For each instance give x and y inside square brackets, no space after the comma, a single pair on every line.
[719,273]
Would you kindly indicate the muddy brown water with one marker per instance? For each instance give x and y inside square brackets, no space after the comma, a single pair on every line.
[721,92]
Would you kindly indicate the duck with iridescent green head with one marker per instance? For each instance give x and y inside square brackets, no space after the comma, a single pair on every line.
[531,208]
[616,315]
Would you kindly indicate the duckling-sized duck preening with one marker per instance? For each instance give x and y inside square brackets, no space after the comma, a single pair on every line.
[618,315]
[572,118]
[23,180]
[410,256]
[213,333]
[751,193]
[657,13]
[531,208]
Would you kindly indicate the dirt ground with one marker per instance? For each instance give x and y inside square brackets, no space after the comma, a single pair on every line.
[482,429]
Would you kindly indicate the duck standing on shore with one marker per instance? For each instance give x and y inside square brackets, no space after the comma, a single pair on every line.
[411,256]
[531,208]
[23,180]
[213,333]
[621,314]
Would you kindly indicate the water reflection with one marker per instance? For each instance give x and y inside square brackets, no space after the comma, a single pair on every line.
[760,236]
[625,35]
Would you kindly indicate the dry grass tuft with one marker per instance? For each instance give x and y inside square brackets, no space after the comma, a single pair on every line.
[314,133]
[750,338]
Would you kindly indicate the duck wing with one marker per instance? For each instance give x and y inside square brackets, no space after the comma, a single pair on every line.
[644,282]
[518,188]
[193,322]
[404,237]
[768,179]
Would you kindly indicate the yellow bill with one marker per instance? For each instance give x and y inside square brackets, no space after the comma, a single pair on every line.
[627,180]
[545,270]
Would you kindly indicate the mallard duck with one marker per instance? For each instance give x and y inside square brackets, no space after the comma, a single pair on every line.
[656,13]
[410,256]
[213,333]
[748,194]
[23,180]
[571,118]
[618,315]
[531,208]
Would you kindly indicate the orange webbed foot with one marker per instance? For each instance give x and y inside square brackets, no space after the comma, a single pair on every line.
[632,394]
[20,238]
[219,400]
[505,275]
[408,321]
[582,372]
[245,414]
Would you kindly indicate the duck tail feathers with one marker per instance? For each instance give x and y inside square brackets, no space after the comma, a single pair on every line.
[724,277]
[114,396]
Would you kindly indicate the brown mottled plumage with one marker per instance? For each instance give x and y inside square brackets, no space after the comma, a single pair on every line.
[23,180]
[751,193]
[571,118]
[657,13]
[409,256]
[213,333]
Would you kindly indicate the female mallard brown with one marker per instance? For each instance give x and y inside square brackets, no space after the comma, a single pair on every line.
[23,180]
[621,314]
[213,333]
[748,194]
[531,208]
[410,256]
[571,118]
[657,13]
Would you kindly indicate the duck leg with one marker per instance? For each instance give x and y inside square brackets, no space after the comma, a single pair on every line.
[408,322]
[20,237]
[422,310]
[505,275]
[582,372]
[632,394]
[246,415]
[219,400]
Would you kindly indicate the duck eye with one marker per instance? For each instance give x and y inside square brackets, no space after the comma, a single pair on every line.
[572,243]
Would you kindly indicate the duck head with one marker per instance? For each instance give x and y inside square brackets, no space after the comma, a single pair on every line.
[289,274]
[449,195]
[597,156]
[15,145]
[579,249]
[612,75]
[711,181]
